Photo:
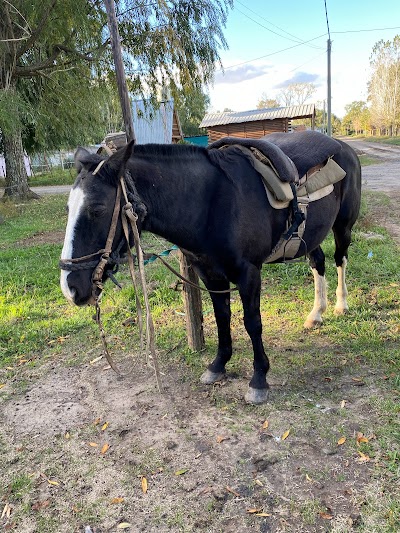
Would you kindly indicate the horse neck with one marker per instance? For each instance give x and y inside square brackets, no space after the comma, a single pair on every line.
[175,192]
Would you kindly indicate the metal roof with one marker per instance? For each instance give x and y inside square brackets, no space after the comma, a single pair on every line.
[219,119]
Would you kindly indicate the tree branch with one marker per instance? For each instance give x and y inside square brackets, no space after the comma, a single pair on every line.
[37,31]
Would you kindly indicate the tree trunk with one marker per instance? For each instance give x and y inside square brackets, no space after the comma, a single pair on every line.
[16,175]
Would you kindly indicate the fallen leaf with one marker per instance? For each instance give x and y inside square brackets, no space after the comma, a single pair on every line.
[6,511]
[93,444]
[357,380]
[220,439]
[363,457]
[93,361]
[252,511]
[114,501]
[124,525]
[285,435]
[105,448]
[2,385]
[258,482]
[67,435]
[342,404]
[52,482]
[341,441]
[97,421]
[181,471]
[326,516]
[265,425]
[361,438]
[233,492]
[40,505]
[308,478]
[104,426]
[263,514]
[144,485]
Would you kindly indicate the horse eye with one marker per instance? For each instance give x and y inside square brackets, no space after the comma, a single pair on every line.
[96,210]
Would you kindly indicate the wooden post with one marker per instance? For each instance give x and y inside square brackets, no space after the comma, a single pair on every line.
[193,306]
[119,69]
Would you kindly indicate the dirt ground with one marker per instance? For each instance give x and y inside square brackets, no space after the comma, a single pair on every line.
[100,453]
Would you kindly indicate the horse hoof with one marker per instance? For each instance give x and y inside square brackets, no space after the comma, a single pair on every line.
[256,396]
[208,378]
[341,311]
[312,324]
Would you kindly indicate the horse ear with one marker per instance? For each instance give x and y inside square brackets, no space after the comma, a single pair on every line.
[80,156]
[129,150]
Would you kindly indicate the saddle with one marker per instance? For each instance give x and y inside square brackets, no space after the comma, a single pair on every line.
[303,159]
[296,168]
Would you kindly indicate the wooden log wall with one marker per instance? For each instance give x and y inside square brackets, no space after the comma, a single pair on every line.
[248,130]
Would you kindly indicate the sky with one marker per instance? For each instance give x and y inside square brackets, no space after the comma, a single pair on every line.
[266,52]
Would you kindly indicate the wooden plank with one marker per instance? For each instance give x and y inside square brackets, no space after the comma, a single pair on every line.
[193,306]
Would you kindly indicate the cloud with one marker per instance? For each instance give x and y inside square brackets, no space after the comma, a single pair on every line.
[299,77]
[241,73]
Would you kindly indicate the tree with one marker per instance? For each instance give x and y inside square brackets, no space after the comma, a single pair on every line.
[192,106]
[266,103]
[384,85]
[357,118]
[297,93]
[56,52]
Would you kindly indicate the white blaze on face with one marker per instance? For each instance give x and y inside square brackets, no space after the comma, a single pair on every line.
[75,204]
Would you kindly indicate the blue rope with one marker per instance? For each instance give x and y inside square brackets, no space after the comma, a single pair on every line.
[162,254]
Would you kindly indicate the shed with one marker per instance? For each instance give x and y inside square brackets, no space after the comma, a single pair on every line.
[256,123]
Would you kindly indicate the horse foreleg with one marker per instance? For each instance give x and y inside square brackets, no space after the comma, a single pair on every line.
[250,287]
[222,310]
[317,262]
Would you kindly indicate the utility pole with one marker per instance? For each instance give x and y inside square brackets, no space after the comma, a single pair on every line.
[119,70]
[329,131]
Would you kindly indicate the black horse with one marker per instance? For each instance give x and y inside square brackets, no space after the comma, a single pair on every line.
[213,206]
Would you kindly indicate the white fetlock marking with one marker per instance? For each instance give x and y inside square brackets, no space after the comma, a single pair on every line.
[320,301]
[341,291]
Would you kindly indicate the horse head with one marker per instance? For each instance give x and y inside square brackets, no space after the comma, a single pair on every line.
[91,204]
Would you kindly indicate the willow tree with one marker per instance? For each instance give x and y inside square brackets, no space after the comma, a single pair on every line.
[56,65]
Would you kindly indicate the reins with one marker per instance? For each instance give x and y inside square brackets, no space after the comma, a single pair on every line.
[108,257]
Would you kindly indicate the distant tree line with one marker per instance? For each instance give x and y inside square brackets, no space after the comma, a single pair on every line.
[380,115]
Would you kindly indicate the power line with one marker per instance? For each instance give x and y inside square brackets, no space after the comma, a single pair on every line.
[272,53]
[296,39]
[370,29]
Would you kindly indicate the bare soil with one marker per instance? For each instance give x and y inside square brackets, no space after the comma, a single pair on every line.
[205,455]
[97,451]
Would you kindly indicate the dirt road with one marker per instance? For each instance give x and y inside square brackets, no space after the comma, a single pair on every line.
[385,175]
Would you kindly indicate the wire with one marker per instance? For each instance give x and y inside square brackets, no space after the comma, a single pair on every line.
[295,40]
[271,54]
[371,29]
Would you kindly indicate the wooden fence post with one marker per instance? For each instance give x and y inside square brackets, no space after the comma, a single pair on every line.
[193,306]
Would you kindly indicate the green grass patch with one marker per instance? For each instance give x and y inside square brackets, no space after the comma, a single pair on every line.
[383,140]
[366,160]
[55,176]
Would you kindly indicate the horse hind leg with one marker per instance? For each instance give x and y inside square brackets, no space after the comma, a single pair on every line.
[342,242]
[317,262]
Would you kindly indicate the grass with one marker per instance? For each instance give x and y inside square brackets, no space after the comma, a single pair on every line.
[383,139]
[366,160]
[55,176]
[36,325]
